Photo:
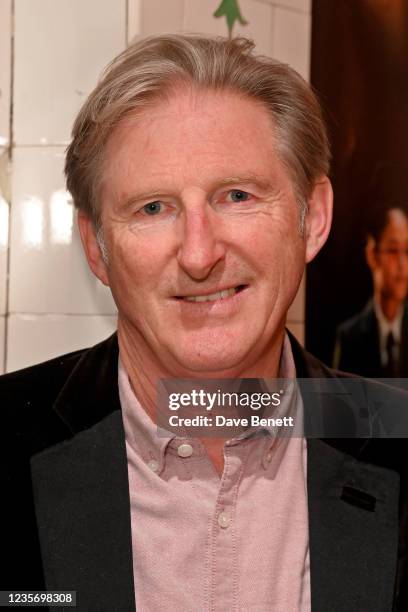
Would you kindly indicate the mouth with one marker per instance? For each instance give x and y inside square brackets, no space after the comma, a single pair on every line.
[212,297]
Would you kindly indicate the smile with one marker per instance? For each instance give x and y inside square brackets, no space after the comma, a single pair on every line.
[212,297]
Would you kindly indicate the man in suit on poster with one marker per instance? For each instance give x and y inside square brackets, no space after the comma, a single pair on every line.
[374,342]
[200,174]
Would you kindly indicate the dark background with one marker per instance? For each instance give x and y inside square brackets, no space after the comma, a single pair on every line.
[359,68]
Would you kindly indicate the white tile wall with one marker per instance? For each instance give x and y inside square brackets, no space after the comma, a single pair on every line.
[291,39]
[154,17]
[198,17]
[2,342]
[32,339]
[55,304]
[48,271]
[5,102]
[5,71]
[4,228]
[60,48]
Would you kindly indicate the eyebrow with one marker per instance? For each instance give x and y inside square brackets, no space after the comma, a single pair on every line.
[254,179]
[150,196]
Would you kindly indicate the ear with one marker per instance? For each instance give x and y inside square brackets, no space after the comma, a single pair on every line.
[92,248]
[319,217]
[370,254]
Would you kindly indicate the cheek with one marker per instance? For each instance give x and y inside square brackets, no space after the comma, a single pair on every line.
[141,267]
[266,232]
[127,267]
[278,252]
[389,272]
[286,253]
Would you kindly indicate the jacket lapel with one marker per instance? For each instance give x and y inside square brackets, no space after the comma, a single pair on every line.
[81,491]
[370,341]
[353,513]
[404,343]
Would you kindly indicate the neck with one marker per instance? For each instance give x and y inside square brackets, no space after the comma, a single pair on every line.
[389,306]
[145,369]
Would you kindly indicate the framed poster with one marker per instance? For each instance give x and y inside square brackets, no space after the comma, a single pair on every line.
[356,290]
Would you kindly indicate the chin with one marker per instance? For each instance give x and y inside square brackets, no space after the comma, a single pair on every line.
[210,364]
[215,354]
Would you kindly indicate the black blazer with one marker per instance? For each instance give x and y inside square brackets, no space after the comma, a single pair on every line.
[65,509]
[357,347]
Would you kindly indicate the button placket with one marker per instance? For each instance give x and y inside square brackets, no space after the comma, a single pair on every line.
[224,550]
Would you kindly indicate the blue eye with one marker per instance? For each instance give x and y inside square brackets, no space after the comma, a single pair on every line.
[239,196]
[152,208]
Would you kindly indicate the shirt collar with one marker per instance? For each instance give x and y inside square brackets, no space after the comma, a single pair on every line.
[387,326]
[140,431]
[277,438]
[142,434]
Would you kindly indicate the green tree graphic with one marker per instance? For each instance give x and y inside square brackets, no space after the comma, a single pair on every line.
[230,10]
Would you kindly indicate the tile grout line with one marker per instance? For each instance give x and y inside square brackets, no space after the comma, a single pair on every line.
[9,171]
[39,145]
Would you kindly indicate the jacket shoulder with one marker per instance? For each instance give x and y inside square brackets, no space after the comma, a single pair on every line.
[48,402]
[43,379]
[27,397]
[359,323]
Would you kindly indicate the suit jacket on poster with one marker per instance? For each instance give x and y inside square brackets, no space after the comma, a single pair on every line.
[65,509]
[358,345]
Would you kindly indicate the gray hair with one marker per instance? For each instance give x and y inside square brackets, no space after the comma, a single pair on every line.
[150,68]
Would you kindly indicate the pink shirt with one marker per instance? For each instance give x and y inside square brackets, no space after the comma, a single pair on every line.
[201,543]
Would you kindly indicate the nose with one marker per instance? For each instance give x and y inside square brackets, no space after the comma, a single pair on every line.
[201,247]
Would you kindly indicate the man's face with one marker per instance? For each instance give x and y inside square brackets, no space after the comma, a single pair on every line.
[202,232]
[391,258]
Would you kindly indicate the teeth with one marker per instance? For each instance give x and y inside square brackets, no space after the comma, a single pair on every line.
[212,297]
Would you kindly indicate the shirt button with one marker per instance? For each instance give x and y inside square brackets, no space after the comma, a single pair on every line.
[223,520]
[269,456]
[185,450]
[153,465]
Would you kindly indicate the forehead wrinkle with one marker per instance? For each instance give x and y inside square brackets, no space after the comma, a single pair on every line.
[185,109]
[224,171]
